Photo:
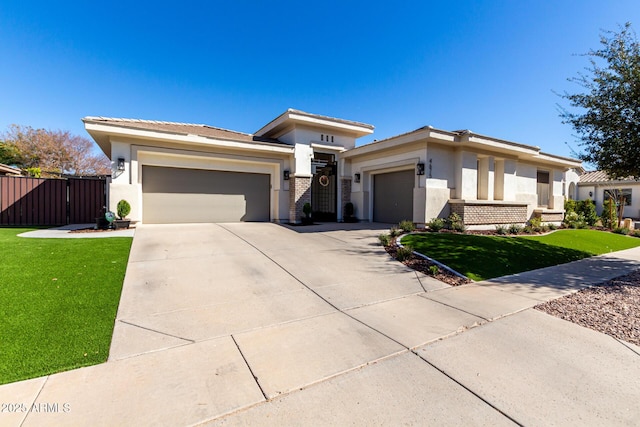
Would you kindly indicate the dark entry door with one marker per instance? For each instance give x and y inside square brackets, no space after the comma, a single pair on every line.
[324,187]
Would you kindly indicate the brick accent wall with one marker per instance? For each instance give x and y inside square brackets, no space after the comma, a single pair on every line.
[485,214]
[299,194]
[345,187]
[550,216]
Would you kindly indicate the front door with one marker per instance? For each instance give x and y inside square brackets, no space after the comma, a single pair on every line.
[324,187]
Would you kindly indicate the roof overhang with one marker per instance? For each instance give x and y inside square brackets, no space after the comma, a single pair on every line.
[103,133]
[290,118]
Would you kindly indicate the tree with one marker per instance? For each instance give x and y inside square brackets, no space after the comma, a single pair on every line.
[609,124]
[54,152]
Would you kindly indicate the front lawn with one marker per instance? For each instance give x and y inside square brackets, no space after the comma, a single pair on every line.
[58,302]
[484,257]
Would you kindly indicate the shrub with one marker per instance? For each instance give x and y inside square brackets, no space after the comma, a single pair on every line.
[394,232]
[587,209]
[621,230]
[570,206]
[348,209]
[515,228]
[636,233]
[306,208]
[123,209]
[434,269]
[407,226]
[385,239]
[404,253]
[436,224]
[454,222]
[552,226]
[528,229]
[535,224]
[502,229]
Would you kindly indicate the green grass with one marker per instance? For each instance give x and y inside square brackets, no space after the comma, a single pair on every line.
[58,302]
[486,257]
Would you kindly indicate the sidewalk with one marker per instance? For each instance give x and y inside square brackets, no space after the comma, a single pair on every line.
[476,354]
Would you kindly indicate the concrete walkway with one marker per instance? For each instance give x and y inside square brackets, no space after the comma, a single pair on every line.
[260,324]
[66,232]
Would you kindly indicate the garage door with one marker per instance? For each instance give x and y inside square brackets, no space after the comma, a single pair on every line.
[176,195]
[393,196]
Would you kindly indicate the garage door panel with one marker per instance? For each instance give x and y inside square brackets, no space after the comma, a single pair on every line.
[393,196]
[176,195]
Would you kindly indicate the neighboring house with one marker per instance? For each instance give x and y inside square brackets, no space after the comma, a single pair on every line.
[6,170]
[597,186]
[177,172]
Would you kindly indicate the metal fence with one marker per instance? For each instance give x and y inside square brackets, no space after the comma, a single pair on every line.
[41,201]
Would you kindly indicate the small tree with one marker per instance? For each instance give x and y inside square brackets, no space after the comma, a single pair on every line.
[123,209]
[609,111]
[609,214]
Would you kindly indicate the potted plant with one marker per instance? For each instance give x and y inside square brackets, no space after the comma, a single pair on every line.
[348,213]
[101,220]
[306,208]
[123,210]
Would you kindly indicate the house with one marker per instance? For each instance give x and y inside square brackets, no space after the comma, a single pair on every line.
[6,170]
[598,187]
[179,172]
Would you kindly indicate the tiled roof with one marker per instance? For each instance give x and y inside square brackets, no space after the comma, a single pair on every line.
[10,170]
[182,128]
[600,176]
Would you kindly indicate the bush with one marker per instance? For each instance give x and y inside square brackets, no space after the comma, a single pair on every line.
[394,232]
[570,206]
[535,224]
[436,224]
[515,228]
[552,227]
[587,209]
[502,229]
[407,226]
[621,230]
[434,269]
[123,209]
[454,222]
[404,253]
[636,233]
[348,209]
[306,208]
[528,229]
[385,239]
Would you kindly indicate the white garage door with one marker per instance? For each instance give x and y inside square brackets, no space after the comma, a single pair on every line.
[393,196]
[177,195]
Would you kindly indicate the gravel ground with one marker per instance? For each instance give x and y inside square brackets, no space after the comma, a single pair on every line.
[612,307]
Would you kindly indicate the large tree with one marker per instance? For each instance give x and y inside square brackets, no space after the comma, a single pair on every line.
[53,152]
[608,120]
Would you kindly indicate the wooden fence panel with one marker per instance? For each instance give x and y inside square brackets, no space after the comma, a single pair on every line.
[39,201]
[87,197]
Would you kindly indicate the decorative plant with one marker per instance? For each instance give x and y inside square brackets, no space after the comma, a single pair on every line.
[404,253]
[348,212]
[385,239]
[306,208]
[123,209]
[436,224]
[406,226]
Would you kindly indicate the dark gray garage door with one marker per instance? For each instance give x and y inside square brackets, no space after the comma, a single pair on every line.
[176,195]
[393,196]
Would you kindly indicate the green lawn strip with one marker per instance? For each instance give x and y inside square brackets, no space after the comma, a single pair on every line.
[58,302]
[485,257]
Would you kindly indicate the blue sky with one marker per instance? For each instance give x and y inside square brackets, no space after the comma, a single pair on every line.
[488,66]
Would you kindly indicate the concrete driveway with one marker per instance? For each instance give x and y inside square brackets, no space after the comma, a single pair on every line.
[257,323]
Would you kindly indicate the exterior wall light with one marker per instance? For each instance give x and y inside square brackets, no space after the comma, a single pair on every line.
[286,175]
[120,163]
[590,193]
[356,177]
[420,169]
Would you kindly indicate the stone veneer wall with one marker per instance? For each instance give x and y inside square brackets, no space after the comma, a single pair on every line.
[345,184]
[299,194]
[554,216]
[481,214]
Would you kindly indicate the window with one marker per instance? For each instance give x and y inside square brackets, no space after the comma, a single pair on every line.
[624,193]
